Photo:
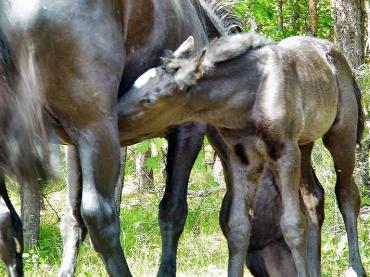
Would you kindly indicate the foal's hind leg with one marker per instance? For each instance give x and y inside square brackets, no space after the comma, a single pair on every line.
[183,147]
[72,227]
[341,142]
[293,222]
[313,198]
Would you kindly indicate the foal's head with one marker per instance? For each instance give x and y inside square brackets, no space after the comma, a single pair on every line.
[186,81]
[159,96]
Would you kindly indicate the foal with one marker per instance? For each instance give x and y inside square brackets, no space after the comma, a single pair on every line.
[267,101]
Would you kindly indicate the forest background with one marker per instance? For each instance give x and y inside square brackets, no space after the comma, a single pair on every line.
[203,249]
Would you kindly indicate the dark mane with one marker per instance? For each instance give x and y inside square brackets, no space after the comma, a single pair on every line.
[211,23]
[230,22]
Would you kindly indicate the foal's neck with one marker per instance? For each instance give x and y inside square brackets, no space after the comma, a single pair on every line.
[225,96]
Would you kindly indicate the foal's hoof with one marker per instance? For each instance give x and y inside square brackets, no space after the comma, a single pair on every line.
[351,272]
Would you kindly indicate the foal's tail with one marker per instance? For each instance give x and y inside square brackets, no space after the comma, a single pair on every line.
[361,115]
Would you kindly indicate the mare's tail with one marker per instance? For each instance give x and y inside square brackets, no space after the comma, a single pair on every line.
[24,147]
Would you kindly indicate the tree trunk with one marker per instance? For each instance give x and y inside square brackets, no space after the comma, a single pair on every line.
[145,178]
[295,16]
[367,29]
[30,213]
[348,30]
[312,9]
[281,15]
[121,179]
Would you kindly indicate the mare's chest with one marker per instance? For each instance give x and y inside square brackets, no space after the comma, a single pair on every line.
[153,28]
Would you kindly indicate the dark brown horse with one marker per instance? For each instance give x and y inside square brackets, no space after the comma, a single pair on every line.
[267,101]
[86,55]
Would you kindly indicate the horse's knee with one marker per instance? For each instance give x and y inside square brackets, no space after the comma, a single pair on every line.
[294,229]
[174,214]
[238,235]
[347,193]
[96,211]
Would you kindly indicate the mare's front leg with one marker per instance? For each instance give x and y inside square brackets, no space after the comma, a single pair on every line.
[184,144]
[99,150]
[11,234]
[313,198]
[293,222]
[72,227]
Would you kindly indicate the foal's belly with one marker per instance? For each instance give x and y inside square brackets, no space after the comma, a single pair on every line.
[318,119]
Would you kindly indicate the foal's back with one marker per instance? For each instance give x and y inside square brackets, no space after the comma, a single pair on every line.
[300,90]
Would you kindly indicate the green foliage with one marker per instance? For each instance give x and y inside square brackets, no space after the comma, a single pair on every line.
[295,17]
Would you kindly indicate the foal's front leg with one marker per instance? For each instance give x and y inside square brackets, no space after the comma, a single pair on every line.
[183,147]
[293,222]
[244,173]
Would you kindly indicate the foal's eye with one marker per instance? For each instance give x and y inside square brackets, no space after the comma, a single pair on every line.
[148,102]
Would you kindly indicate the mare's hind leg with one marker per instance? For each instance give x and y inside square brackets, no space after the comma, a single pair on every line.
[99,150]
[313,198]
[72,227]
[11,234]
[341,142]
[183,147]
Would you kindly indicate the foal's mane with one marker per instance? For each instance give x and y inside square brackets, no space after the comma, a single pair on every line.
[220,50]
[233,46]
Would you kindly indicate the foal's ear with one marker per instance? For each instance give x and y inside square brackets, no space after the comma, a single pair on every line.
[185,48]
[199,62]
